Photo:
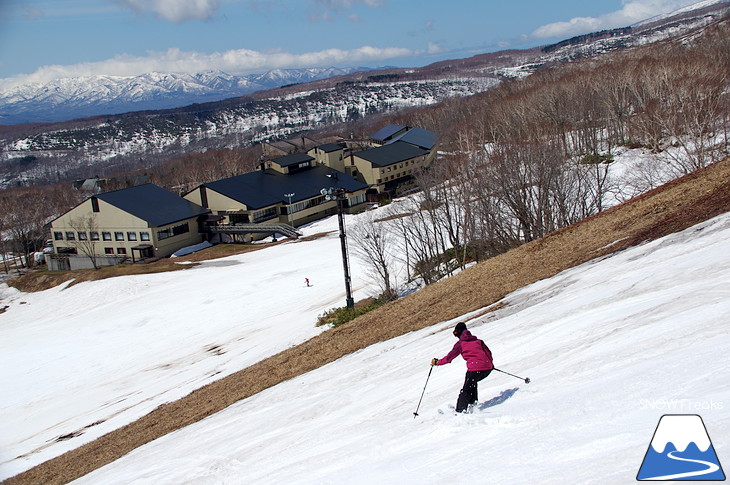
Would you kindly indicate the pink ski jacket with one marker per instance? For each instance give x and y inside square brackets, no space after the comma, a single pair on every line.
[474,351]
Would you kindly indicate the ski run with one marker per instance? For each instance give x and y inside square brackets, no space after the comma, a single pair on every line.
[609,346]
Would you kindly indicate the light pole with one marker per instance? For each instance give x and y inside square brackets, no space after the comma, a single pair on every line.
[338,194]
[288,209]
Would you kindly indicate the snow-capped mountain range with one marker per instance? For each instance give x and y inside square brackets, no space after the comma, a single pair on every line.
[70,98]
[303,100]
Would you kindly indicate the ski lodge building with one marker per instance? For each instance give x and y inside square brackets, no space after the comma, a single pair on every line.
[137,223]
[146,221]
[285,193]
[287,190]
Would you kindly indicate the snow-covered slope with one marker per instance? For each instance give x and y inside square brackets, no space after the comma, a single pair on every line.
[77,362]
[693,7]
[609,346]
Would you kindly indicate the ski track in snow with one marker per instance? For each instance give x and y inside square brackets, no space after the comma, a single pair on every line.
[602,343]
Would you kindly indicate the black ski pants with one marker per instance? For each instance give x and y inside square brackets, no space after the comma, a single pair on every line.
[468,394]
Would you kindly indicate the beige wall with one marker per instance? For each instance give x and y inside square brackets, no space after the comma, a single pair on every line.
[377,176]
[112,220]
[220,204]
[332,160]
[216,201]
[276,167]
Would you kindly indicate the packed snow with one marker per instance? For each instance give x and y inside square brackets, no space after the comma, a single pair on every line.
[609,346]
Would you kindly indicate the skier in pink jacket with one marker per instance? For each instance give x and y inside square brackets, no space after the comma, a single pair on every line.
[479,364]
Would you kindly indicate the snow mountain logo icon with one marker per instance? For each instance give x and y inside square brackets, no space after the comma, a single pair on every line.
[681,450]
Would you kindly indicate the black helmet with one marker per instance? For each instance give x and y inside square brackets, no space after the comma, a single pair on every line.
[460,327]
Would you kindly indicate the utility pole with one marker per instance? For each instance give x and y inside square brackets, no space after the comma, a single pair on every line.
[339,195]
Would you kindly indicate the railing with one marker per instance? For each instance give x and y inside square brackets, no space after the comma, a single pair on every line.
[280,228]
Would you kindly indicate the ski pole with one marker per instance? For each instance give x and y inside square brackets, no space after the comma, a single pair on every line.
[424,391]
[526,379]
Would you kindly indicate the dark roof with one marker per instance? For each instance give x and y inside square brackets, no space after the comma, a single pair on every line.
[293,159]
[329,147]
[389,154]
[266,188]
[417,136]
[387,132]
[153,204]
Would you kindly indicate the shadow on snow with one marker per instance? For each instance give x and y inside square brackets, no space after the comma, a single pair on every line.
[495,401]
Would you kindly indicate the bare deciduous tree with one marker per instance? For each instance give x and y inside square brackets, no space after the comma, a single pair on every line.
[87,231]
[373,243]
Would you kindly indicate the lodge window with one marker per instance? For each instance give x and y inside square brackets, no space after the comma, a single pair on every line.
[58,236]
[94,204]
[173,231]
[106,236]
[94,235]
[119,236]
[300,206]
[121,250]
[144,236]
[204,196]
[82,236]
[131,236]
[108,250]
[265,214]
[359,199]
[70,236]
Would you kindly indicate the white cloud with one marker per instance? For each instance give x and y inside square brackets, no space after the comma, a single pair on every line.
[329,10]
[340,5]
[239,61]
[175,10]
[31,13]
[632,11]
[435,48]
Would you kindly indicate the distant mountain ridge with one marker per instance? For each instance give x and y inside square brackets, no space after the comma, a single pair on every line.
[73,98]
[68,150]
[69,98]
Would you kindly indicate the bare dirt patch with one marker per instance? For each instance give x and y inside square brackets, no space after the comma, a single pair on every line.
[670,208]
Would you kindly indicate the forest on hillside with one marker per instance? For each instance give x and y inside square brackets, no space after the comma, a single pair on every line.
[534,155]
[522,159]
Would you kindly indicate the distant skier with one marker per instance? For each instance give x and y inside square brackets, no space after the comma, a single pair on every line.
[479,364]
[306,280]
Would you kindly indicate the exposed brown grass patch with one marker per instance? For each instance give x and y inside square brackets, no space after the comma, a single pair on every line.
[394,217]
[42,280]
[671,208]
[315,236]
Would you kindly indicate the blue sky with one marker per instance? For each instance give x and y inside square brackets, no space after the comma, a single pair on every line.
[42,40]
